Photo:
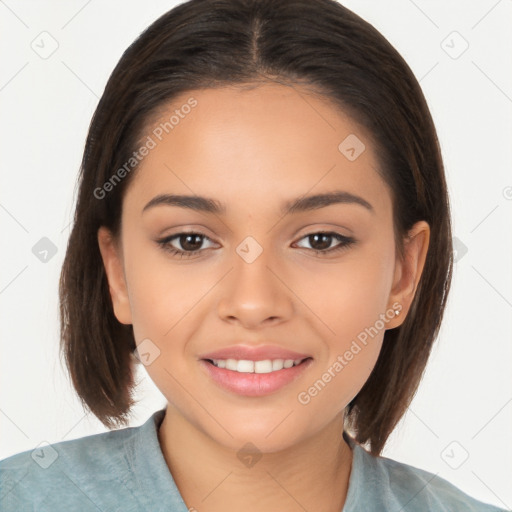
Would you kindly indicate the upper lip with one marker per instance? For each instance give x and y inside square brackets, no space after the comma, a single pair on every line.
[258,353]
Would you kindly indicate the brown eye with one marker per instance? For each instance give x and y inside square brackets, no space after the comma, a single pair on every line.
[321,242]
[184,244]
[190,242]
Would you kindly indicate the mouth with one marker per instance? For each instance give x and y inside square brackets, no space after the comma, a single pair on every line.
[250,378]
[263,366]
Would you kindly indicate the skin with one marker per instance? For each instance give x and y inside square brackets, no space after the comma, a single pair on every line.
[252,150]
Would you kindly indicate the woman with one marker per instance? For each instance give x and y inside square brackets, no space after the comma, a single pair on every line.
[263,222]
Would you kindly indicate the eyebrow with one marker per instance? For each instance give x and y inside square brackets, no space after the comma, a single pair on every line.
[301,204]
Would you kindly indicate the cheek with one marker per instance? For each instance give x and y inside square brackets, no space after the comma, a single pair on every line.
[351,301]
[338,382]
[162,293]
[354,309]
[348,297]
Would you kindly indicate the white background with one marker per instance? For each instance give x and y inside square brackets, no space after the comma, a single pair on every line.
[47,104]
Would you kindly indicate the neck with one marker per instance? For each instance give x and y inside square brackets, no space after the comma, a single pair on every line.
[211,477]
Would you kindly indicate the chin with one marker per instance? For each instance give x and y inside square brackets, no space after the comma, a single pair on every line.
[244,441]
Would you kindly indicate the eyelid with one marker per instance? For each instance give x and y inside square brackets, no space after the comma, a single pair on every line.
[175,236]
[307,231]
[344,242]
[322,227]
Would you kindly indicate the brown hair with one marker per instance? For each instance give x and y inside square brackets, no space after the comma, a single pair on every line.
[212,43]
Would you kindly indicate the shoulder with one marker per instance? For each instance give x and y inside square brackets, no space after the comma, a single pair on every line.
[52,475]
[430,490]
[396,484]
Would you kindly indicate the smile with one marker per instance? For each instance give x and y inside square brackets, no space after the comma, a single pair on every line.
[254,378]
[246,366]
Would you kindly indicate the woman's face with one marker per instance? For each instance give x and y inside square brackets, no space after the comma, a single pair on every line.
[257,280]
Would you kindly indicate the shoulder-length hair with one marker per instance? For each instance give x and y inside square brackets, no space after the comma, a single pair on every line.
[214,43]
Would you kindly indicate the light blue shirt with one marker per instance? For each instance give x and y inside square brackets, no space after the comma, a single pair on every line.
[124,470]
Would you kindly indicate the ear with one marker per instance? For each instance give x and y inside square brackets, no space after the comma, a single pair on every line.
[408,272]
[113,262]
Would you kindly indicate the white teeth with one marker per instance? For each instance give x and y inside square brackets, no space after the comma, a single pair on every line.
[244,366]
[277,364]
[265,366]
[232,364]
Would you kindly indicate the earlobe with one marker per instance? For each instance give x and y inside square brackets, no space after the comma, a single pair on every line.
[408,272]
[113,265]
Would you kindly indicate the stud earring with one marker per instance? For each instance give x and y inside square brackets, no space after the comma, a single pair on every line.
[397,312]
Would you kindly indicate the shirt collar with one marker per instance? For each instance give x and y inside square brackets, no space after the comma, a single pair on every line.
[154,475]
[151,469]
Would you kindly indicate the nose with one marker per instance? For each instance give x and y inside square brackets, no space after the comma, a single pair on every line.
[255,294]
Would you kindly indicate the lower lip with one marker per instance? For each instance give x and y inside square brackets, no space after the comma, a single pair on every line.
[254,384]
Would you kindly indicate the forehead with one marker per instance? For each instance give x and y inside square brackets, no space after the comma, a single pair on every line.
[252,147]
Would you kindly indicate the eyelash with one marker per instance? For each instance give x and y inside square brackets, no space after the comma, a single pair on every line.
[164,243]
